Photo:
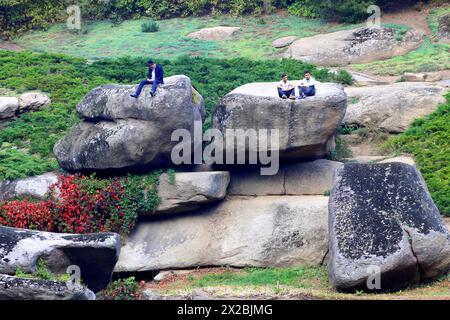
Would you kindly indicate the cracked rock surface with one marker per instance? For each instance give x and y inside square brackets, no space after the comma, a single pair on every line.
[382,216]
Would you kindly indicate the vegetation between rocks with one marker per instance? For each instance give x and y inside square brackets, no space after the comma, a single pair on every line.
[428,140]
[86,204]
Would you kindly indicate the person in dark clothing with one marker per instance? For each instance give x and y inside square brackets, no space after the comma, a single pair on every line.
[155,76]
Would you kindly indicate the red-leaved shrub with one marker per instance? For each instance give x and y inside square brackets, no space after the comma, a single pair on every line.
[26,214]
[75,204]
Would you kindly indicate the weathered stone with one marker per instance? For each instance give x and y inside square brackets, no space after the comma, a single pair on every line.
[353,46]
[444,27]
[95,254]
[13,288]
[283,42]
[215,33]
[190,190]
[9,106]
[262,232]
[35,187]
[306,127]
[119,131]
[382,216]
[303,178]
[393,107]
[33,101]
[422,77]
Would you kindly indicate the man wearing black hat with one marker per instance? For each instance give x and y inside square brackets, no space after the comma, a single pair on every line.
[155,76]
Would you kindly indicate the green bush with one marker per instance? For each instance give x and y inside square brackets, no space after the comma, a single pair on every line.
[428,140]
[122,289]
[150,26]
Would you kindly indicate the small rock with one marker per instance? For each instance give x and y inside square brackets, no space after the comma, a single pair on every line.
[33,101]
[35,187]
[190,190]
[283,42]
[215,33]
[149,294]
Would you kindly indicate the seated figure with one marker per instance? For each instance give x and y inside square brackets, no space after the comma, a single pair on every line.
[285,88]
[307,86]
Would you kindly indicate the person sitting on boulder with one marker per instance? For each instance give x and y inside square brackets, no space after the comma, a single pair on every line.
[307,86]
[285,88]
[155,76]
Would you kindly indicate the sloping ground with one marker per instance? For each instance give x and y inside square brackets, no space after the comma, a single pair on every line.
[288,283]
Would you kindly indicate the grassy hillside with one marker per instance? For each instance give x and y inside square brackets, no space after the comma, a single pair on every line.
[26,144]
[428,140]
[103,40]
[430,56]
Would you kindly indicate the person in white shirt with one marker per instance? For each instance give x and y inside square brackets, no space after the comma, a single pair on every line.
[285,88]
[307,86]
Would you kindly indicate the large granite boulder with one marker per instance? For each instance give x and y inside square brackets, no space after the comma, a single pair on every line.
[35,187]
[240,231]
[382,216]
[353,46]
[394,107]
[190,190]
[14,288]
[119,131]
[215,33]
[95,254]
[302,178]
[306,127]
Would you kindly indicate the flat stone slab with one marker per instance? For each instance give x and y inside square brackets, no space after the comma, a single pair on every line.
[275,231]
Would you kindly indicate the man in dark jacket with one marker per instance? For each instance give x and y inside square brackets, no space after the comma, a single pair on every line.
[155,76]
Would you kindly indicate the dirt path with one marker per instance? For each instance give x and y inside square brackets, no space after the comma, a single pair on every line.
[11,46]
[411,17]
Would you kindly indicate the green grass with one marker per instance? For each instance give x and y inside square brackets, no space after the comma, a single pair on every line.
[42,273]
[427,58]
[298,277]
[26,143]
[171,41]
[428,140]
[433,18]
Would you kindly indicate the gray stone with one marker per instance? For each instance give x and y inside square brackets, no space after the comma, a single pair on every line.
[274,231]
[119,131]
[303,178]
[13,288]
[36,186]
[444,27]
[382,215]
[95,254]
[360,45]
[283,42]
[215,33]
[9,106]
[392,108]
[190,190]
[33,101]
[306,127]
[422,77]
